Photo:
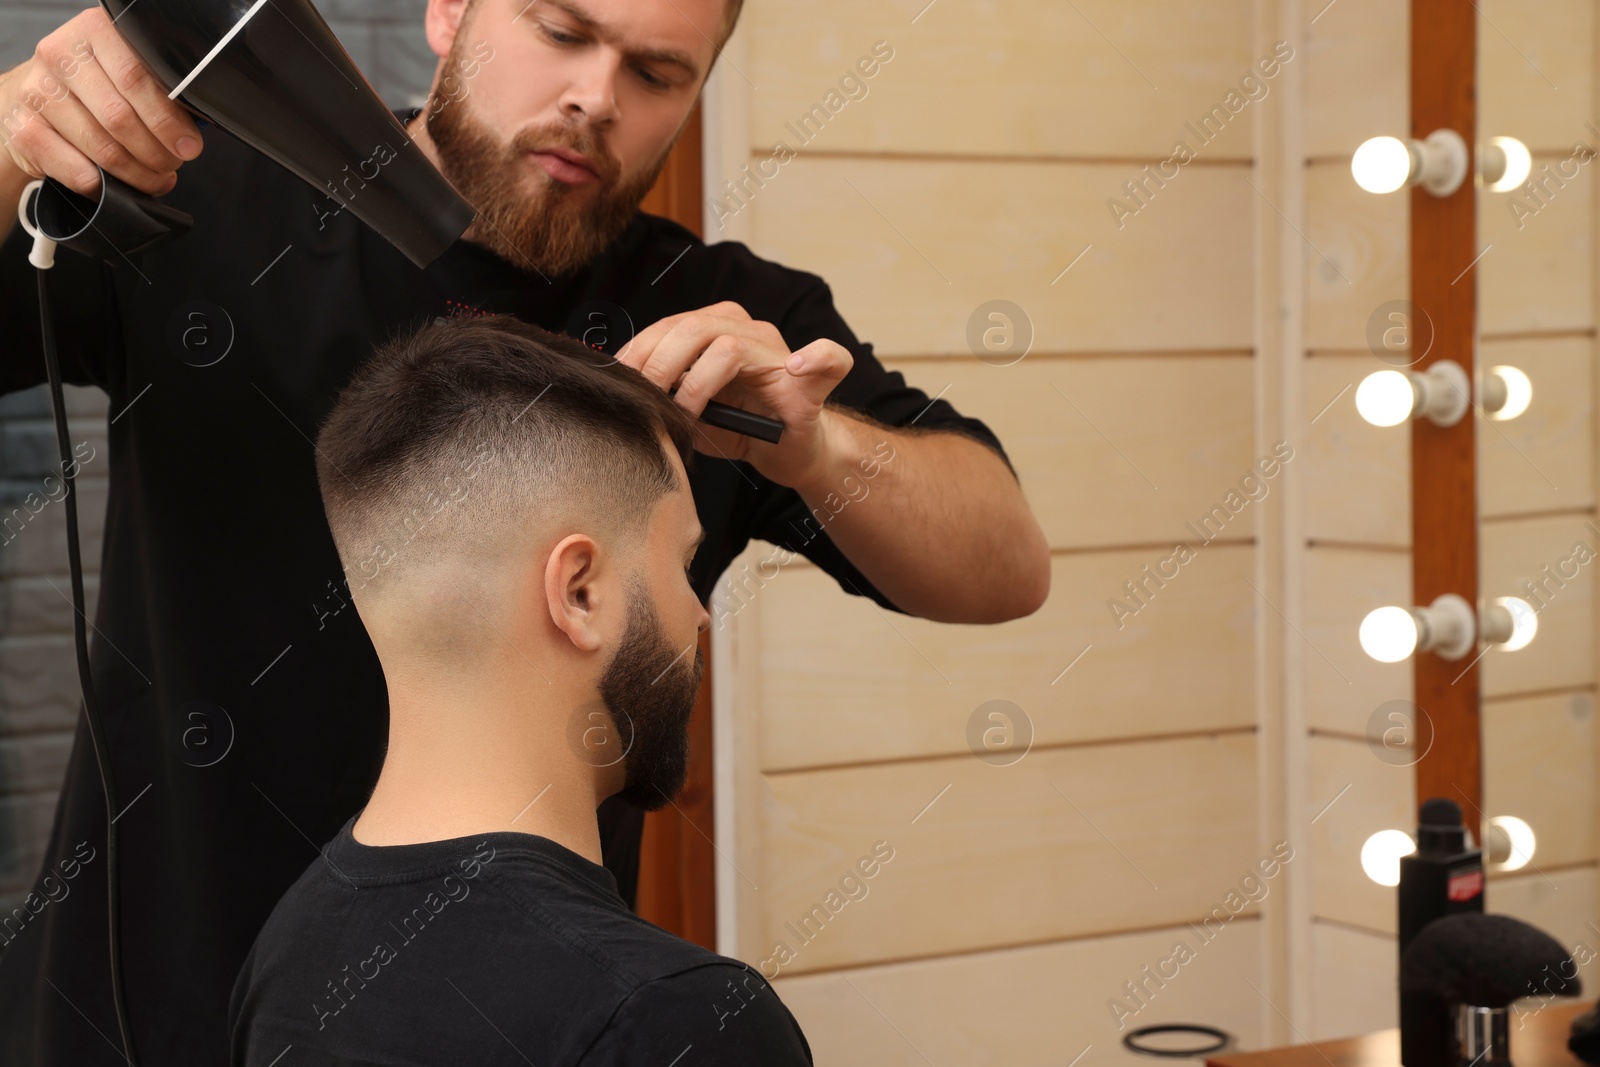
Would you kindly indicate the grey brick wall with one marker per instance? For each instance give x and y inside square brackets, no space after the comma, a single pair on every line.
[38,669]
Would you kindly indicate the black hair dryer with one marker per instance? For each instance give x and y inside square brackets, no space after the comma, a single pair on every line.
[273,74]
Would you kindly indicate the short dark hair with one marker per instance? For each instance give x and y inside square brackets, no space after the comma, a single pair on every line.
[496,419]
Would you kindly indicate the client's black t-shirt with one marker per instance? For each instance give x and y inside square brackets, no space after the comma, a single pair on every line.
[500,948]
[244,706]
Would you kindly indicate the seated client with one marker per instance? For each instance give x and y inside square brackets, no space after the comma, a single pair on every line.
[515,522]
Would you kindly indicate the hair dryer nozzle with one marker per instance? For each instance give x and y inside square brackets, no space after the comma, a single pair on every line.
[272,73]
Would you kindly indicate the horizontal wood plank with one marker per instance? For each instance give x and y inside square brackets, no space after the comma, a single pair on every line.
[1537,265]
[913,250]
[1357,476]
[1355,255]
[1354,794]
[1008,77]
[1036,1006]
[1542,460]
[1357,58]
[1536,71]
[1345,687]
[1562,903]
[1539,765]
[1166,438]
[1354,975]
[1544,553]
[1064,842]
[843,681]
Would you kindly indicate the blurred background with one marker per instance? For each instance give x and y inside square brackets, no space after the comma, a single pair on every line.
[1169,343]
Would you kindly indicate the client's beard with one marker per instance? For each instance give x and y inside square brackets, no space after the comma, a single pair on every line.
[524,215]
[650,696]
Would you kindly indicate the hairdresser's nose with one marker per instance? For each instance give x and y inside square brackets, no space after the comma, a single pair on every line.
[705,620]
[592,93]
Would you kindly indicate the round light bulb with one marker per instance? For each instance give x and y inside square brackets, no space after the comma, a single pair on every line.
[1380,856]
[1522,840]
[1524,622]
[1519,392]
[1389,634]
[1519,163]
[1385,398]
[1381,164]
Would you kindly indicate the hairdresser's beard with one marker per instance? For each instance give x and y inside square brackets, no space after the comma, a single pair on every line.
[649,688]
[524,215]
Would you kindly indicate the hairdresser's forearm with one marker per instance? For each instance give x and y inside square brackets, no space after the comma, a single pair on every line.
[935,521]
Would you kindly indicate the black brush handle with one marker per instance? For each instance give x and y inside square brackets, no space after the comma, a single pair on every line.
[728,417]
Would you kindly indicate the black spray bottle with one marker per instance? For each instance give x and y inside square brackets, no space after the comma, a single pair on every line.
[1444,876]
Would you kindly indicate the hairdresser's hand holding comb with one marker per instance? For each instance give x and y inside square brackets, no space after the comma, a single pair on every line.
[86,99]
[721,353]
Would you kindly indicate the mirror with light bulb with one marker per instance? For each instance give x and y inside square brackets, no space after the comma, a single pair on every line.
[1528,394]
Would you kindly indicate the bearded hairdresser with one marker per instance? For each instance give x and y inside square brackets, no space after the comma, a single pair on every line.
[244,705]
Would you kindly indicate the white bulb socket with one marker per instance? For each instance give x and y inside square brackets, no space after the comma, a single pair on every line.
[1507,392]
[1448,627]
[1438,163]
[1441,394]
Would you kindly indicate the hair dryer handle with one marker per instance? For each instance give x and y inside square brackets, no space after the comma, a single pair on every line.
[120,223]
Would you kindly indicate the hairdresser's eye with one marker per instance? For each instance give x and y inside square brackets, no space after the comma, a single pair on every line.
[558,36]
[651,79]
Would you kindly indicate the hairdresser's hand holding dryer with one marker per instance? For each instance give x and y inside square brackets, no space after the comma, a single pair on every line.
[244,706]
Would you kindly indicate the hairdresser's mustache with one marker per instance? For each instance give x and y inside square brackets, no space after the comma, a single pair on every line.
[591,147]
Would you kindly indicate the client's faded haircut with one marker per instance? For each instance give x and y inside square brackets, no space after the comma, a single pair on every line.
[454,444]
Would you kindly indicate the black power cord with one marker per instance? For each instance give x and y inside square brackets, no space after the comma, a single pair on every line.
[91,709]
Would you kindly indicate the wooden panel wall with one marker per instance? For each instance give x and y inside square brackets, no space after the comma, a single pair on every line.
[1357,528]
[1537,294]
[1021,898]
[1235,708]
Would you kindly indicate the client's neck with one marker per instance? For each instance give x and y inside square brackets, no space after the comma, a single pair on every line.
[467,758]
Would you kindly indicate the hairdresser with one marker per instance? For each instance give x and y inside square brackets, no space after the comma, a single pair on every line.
[244,705]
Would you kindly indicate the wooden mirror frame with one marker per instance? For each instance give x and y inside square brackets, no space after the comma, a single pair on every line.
[1444,466]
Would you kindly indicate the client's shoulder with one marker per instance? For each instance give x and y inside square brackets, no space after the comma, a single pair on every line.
[353,960]
[720,1007]
[567,899]
[665,992]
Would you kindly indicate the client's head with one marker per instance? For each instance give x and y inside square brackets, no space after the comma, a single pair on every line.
[514,518]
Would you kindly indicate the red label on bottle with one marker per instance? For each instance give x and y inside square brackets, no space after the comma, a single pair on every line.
[1466,885]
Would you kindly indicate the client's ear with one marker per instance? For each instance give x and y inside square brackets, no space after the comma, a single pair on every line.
[573,590]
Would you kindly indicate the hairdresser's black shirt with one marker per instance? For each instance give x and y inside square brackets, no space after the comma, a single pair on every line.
[497,948]
[243,702]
